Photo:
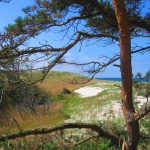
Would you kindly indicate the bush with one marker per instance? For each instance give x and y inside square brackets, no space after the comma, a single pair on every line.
[65,91]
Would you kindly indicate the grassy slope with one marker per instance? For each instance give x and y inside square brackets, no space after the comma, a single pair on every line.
[56,81]
[53,83]
[74,108]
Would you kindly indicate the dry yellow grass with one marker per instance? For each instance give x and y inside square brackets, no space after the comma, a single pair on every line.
[53,83]
[29,121]
[56,81]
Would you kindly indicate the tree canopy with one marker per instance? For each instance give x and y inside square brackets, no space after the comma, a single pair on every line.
[80,22]
[6,1]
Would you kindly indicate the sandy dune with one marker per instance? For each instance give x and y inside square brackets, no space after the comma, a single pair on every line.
[88,91]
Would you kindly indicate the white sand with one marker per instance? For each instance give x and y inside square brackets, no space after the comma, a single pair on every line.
[141,101]
[109,110]
[93,91]
[88,91]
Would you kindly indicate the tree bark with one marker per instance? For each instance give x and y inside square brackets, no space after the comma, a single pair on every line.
[126,73]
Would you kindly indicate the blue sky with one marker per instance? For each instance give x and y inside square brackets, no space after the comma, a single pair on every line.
[140,62]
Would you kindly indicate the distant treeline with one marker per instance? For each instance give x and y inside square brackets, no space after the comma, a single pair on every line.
[120,79]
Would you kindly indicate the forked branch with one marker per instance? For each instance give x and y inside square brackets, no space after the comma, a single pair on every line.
[143,114]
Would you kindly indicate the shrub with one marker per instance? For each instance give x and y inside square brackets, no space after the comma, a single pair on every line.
[65,91]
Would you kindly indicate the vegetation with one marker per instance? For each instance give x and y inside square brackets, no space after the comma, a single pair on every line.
[55,81]
[35,103]
[143,88]
[6,1]
[77,110]
[110,22]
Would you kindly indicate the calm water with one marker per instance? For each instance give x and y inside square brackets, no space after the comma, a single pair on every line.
[119,79]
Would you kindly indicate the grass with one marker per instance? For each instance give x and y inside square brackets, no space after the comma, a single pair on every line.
[89,109]
[71,108]
[54,83]
[52,117]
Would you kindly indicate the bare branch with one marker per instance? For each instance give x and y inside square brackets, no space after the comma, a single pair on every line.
[77,18]
[115,139]
[97,67]
[143,114]
[46,49]
[99,36]
[116,65]
[141,50]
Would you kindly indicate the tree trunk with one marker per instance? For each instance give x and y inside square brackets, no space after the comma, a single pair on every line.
[126,73]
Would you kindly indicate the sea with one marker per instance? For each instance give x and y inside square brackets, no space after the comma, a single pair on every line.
[120,79]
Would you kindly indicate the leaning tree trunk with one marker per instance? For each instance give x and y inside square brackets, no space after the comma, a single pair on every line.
[126,73]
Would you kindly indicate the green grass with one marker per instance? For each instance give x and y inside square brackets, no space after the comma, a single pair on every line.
[72,103]
[77,109]
[56,75]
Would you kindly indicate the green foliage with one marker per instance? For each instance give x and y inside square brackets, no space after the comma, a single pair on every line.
[138,75]
[147,76]
[20,144]
[19,91]
[114,125]
[144,144]
[74,101]
[50,146]
[59,97]
[104,92]
[65,76]
[94,144]
[66,91]
[142,88]
[40,95]
[62,95]
[16,92]
[145,124]
[100,24]
[42,17]
[45,14]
